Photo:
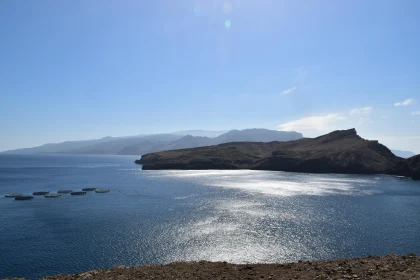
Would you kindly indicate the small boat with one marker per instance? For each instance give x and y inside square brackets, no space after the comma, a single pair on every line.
[40,193]
[64,191]
[13,195]
[78,193]
[24,197]
[52,195]
[101,191]
[89,189]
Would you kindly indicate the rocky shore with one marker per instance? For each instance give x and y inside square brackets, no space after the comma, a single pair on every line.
[375,268]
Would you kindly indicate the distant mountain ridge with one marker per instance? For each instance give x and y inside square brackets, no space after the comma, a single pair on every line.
[341,151]
[257,135]
[142,144]
[200,132]
[56,147]
[115,147]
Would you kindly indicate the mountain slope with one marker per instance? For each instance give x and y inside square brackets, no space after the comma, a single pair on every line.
[57,147]
[202,133]
[246,135]
[257,135]
[337,152]
[142,148]
[162,142]
[139,145]
[120,146]
[189,142]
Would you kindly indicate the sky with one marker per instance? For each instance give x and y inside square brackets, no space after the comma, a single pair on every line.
[84,69]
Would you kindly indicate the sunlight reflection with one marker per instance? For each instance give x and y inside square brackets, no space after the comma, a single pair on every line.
[279,183]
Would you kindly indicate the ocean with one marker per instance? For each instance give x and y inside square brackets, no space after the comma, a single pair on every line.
[150,217]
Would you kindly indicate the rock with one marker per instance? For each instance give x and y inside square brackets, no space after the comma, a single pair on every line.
[410,268]
[85,275]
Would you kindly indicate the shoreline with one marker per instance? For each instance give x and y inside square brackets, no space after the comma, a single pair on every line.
[370,267]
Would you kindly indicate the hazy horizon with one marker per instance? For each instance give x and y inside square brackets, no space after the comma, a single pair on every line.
[73,70]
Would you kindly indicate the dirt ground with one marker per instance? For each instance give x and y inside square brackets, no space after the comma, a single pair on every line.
[387,267]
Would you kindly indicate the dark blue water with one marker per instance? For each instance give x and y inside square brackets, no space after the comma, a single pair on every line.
[166,216]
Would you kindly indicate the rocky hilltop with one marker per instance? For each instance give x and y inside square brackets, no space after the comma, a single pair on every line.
[340,151]
[377,268]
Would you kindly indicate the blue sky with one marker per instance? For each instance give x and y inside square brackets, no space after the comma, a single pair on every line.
[72,70]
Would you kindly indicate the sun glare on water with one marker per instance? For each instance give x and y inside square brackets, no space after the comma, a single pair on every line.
[276,183]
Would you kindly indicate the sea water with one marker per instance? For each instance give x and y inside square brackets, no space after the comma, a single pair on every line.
[239,216]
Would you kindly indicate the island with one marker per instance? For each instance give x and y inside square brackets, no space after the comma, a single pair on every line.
[342,151]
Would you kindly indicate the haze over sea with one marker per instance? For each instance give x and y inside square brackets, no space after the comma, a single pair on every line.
[164,216]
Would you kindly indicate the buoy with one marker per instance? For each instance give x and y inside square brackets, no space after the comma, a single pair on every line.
[40,193]
[24,197]
[52,195]
[13,195]
[78,193]
[102,191]
[64,191]
[89,189]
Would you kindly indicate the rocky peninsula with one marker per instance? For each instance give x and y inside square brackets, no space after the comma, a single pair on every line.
[373,268]
[341,151]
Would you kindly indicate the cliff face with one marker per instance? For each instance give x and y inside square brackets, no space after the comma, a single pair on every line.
[337,152]
[408,168]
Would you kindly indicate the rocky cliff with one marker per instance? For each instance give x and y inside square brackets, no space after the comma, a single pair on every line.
[408,168]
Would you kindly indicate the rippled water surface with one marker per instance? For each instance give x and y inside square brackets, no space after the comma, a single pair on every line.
[165,216]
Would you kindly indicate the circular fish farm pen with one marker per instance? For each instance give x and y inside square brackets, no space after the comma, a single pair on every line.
[52,195]
[40,193]
[13,195]
[78,193]
[101,191]
[89,189]
[47,194]
[24,197]
[64,191]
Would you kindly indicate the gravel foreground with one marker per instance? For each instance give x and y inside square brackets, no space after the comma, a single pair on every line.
[387,267]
